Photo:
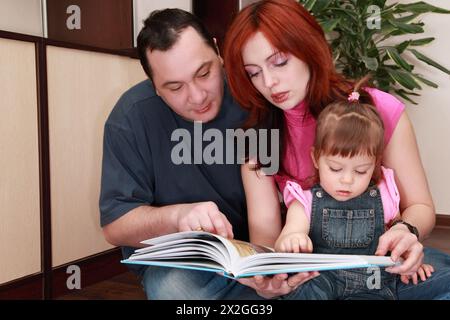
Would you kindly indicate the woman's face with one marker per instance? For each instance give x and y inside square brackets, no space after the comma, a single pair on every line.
[280,77]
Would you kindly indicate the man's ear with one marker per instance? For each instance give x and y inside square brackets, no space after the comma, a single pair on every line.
[217,50]
[314,158]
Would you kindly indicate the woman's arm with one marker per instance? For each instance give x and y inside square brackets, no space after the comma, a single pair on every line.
[416,204]
[264,221]
[263,206]
[402,155]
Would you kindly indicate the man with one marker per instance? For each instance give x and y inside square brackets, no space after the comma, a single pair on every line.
[144,193]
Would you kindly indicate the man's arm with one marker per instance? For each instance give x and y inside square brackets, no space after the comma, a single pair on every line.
[146,222]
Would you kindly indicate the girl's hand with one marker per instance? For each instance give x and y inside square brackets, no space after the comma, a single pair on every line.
[294,242]
[424,272]
[401,243]
[278,285]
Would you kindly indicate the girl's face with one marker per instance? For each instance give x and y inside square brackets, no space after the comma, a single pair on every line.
[280,77]
[345,178]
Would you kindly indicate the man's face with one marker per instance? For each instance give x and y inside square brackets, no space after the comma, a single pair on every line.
[189,77]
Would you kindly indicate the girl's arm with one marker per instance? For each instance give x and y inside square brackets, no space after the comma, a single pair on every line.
[402,155]
[296,219]
[263,206]
[294,236]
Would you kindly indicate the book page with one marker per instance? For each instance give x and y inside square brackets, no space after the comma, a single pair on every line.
[245,249]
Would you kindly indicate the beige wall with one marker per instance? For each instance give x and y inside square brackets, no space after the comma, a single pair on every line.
[21,16]
[431,117]
[142,9]
[83,88]
[19,162]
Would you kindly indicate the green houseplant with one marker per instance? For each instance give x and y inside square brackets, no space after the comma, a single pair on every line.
[362,35]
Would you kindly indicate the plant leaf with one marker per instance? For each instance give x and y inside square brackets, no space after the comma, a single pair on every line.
[399,61]
[404,94]
[320,5]
[308,4]
[329,25]
[370,63]
[420,7]
[425,81]
[417,42]
[387,28]
[429,61]
[421,42]
[402,46]
[406,27]
[409,18]
[403,78]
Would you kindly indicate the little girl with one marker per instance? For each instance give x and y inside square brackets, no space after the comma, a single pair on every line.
[351,203]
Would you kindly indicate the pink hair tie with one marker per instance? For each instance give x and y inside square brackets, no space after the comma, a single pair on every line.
[354,96]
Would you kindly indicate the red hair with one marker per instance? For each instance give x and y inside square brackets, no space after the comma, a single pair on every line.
[290,28]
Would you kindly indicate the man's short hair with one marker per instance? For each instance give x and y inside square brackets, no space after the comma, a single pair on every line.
[162,30]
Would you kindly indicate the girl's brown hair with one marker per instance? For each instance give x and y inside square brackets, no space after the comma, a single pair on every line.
[350,128]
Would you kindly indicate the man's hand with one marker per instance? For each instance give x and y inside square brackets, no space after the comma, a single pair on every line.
[294,242]
[203,216]
[278,285]
[401,243]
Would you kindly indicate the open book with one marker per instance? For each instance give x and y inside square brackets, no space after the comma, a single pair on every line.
[235,259]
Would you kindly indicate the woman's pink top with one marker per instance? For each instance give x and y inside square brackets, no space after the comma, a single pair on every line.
[388,191]
[300,133]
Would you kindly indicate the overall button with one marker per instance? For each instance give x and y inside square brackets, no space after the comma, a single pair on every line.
[319,194]
[373,193]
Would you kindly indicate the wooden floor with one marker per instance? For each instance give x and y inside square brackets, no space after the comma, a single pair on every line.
[122,287]
[127,287]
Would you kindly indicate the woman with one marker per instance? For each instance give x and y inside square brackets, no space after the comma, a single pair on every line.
[280,68]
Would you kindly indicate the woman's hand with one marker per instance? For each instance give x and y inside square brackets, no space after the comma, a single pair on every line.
[401,243]
[278,285]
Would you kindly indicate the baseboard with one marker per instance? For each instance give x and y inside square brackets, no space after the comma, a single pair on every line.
[27,288]
[442,220]
[93,269]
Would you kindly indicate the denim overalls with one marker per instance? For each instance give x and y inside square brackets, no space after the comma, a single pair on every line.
[347,227]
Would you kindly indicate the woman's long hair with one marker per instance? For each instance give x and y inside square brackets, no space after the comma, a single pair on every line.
[289,28]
